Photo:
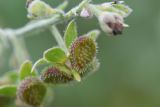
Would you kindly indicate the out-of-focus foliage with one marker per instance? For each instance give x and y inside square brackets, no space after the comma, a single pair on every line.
[129,75]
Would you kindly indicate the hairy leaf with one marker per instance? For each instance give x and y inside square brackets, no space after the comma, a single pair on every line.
[25,70]
[55,55]
[8,90]
[70,33]
[93,34]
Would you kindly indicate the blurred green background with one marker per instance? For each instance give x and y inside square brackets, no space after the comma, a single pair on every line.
[129,75]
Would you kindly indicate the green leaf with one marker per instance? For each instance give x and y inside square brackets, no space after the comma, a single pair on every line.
[55,55]
[76,76]
[63,68]
[11,76]
[122,7]
[63,5]
[8,90]
[93,34]
[25,70]
[70,33]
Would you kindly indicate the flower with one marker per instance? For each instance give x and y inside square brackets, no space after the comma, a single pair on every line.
[86,13]
[111,23]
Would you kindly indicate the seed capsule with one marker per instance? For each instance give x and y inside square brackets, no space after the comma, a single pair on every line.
[55,76]
[82,52]
[31,91]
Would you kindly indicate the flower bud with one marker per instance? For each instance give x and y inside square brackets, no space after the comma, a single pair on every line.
[82,52]
[31,91]
[39,9]
[111,23]
[86,13]
[55,75]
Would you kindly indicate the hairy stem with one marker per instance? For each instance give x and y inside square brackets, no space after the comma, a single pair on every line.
[20,51]
[39,25]
[45,23]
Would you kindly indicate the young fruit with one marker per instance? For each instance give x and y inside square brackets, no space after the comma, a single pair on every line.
[82,53]
[31,91]
[55,75]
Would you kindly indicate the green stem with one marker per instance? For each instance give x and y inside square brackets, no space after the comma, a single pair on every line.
[20,51]
[73,12]
[59,38]
[39,26]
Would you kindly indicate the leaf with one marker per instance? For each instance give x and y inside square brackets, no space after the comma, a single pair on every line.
[11,76]
[93,34]
[76,76]
[70,33]
[25,70]
[37,63]
[63,68]
[63,5]
[8,90]
[55,55]
[119,8]
[123,8]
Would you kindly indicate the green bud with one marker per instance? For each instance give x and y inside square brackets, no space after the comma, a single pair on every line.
[55,75]
[82,53]
[31,91]
[38,9]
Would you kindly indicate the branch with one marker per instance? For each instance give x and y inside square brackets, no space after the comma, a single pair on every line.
[45,23]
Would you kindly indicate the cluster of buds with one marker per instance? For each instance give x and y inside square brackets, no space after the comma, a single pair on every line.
[76,57]
[81,59]
[110,16]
